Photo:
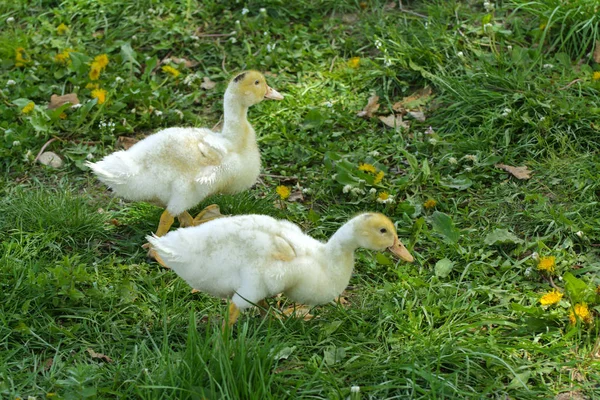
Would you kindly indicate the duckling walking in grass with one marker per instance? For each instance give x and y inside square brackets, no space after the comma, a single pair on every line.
[251,257]
[179,167]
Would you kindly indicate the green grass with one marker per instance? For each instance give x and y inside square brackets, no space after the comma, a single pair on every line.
[512,85]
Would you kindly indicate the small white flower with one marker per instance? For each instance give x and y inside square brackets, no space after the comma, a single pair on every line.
[374,153]
[307,190]
[233,40]
[468,169]
[166,61]
[487,27]
[489,7]
[10,20]
[334,177]
[10,82]
[194,37]
[433,141]
[27,156]
[547,66]
[263,10]
[151,10]
[470,157]
[579,233]
[542,118]
[528,271]
[118,79]
[505,112]
[387,61]
[373,191]
[265,33]
[560,278]
[460,54]
[89,156]
[132,111]
[16,143]
[179,113]
[76,106]
[355,389]
[452,160]
[134,37]
[509,47]
[378,43]
[535,256]
[357,191]
[347,188]
[158,113]
[271,47]
[245,11]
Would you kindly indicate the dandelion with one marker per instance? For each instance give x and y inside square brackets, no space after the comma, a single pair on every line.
[550,298]
[95,70]
[62,29]
[596,75]
[101,60]
[429,204]
[547,264]
[28,108]
[64,57]
[283,192]
[384,198]
[378,177]
[171,71]
[92,86]
[582,312]
[21,57]
[367,168]
[99,94]
[62,115]
[354,62]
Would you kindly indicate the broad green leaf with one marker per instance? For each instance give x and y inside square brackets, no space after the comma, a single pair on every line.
[576,288]
[344,177]
[501,236]
[425,169]
[129,54]
[150,65]
[443,225]
[334,355]
[284,353]
[412,161]
[79,63]
[313,216]
[383,259]
[443,267]
[458,183]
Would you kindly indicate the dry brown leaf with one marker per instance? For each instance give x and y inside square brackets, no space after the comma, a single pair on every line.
[573,395]
[349,18]
[394,121]
[298,311]
[371,107]
[597,52]
[99,356]
[184,61]
[414,101]
[48,364]
[195,291]
[207,84]
[517,172]
[98,34]
[57,101]
[296,196]
[125,142]
[342,300]
[418,115]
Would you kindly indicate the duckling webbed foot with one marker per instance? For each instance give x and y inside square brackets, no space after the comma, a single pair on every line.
[185,219]
[208,214]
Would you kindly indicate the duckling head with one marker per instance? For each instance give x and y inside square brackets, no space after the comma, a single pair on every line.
[377,232]
[251,88]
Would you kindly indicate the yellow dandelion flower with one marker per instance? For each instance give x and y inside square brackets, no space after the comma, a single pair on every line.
[550,298]
[99,94]
[21,57]
[63,58]
[62,115]
[367,168]
[95,70]
[582,312]
[92,86]
[542,25]
[429,204]
[62,29]
[383,196]
[28,108]
[547,264]
[354,62]
[378,177]
[171,71]
[101,60]
[596,75]
[283,192]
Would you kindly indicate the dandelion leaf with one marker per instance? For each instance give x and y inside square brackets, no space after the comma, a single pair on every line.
[443,268]
[443,225]
[501,236]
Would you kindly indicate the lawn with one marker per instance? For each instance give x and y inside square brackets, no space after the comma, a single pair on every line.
[503,299]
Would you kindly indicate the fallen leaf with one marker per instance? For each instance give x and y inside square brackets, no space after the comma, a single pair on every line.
[115,222]
[98,34]
[342,300]
[50,159]
[418,115]
[195,291]
[414,101]
[517,172]
[349,18]
[99,356]
[597,52]
[57,101]
[48,364]
[371,107]
[207,84]
[296,196]
[184,61]
[394,121]
[125,142]
[298,311]
[573,395]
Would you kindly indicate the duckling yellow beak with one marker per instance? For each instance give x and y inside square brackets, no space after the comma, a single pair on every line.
[273,94]
[399,250]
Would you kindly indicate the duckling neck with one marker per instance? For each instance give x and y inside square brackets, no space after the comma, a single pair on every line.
[235,116]
[340,248]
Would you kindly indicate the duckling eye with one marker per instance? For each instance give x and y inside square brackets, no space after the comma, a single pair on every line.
[383,230]
[256,82]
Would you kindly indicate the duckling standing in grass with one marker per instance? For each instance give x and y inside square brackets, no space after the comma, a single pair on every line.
[179,167]
[251,257]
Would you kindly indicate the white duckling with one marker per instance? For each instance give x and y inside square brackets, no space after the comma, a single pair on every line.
[251,257]
[179,167]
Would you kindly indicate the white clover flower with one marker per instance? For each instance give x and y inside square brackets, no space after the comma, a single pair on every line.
[509,47]
[535,256]
[334,177]
[265,33]
[76,106]
[347,188]
[307,190]
[547,66]
[133,110]
[355,389]
[470,157]
[271,47]
[10,20]
[151,10]
[579,233]
[373,191]
[487,27]
[357,191]
[387,61]
[233,40]
[489,7]
[237,22]
[262,10]
[460,54]
[505,112]
[433,141]
[134,37]
[528,271]
[179,113]
[378,43]
[374,153]
[16,143]
[89,156]
[194,37]
[27,156]
[10,82]
[452,160]
[158,113]
[245,11]
[118,79]
[468,169]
